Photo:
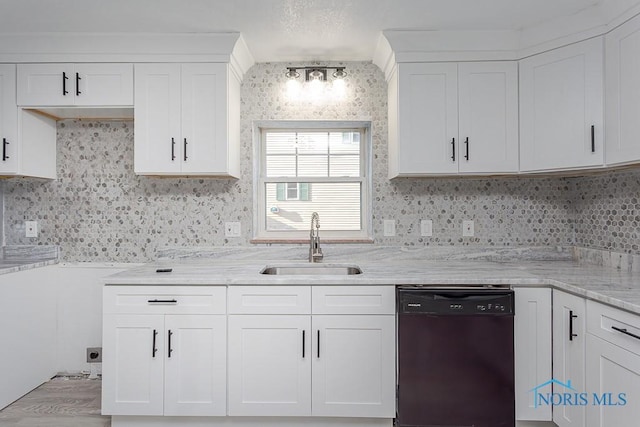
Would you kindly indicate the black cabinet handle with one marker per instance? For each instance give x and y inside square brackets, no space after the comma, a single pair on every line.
[593,139]
[466,143]
[624,331]
[303,343]
[170,350]
[64,84]
[571,317]
[153,346]
[163,301]
[78,78]
[318,343]
[453,149]
[185,149]
[173,149]
[4,149]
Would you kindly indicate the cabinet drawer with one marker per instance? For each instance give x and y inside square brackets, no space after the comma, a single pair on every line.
[165,299]
[613,325]
[354,299]
[270,300]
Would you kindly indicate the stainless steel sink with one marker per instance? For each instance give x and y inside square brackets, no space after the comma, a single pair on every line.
[312,270]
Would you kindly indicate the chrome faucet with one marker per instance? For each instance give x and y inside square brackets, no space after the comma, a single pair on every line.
[315,253]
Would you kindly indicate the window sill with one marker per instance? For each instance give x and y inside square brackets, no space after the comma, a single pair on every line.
[306,241]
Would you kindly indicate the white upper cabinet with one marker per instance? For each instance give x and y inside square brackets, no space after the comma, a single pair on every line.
[187,120]
[8,118]
[423,120]
[28,139]
[623,94]
[561,108]
[488,113]
[446,118]
[75,85]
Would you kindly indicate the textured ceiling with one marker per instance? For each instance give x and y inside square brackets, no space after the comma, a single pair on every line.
[284,30]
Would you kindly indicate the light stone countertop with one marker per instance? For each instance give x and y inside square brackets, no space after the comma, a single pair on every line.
[20,258]
[396,266]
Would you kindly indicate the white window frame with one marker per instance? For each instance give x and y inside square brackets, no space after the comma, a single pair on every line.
[260,234]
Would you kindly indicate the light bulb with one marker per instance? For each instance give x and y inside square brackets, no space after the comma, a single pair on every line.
[293,89]
[339,89]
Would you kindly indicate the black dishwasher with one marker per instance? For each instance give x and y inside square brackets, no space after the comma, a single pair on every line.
[455,357]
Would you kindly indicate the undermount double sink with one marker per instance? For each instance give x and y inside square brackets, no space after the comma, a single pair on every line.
[312,270]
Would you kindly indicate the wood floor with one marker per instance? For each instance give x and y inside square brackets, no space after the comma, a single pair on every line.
[61,402]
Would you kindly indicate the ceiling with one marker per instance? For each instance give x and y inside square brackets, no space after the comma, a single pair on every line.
[285,30]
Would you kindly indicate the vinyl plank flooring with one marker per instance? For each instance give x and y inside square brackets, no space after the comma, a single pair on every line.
[61,402]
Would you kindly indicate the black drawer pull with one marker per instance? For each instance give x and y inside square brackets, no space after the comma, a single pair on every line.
[453,149]
[162,301]
[571,317]
[593,139]
[4,149]
[78,78]
[466,143]
[185,149]
[303,342]
[64,84]
[173,149]
[624,331]
[318,343]
[154,349]
[169,346]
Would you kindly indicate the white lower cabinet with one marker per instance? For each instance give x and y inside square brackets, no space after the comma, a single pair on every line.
[162,363]
[569,338]
[612,366]
[352,361]
[269,365]
[532,350]
[294,362]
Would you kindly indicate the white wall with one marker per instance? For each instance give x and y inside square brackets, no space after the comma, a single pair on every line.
[79,311]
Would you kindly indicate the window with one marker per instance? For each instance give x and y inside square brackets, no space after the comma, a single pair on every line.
[312,167]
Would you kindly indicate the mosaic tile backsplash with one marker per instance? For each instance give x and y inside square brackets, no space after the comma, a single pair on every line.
[99,210]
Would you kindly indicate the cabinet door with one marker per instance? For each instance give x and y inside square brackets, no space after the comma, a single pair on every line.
[157,145]
[46,84]
[103,84]
[569,337]
[427,117]
[623,93]
[8,119]
[532,350]
[269,365]
[488,114]
[354,366]
[612,370]
[133,364]
[204,119]
[561,99]
[196,368]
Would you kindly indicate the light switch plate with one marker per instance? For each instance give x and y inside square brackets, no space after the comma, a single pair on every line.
[389,228]
[426,228]
[31,228]
[467,228]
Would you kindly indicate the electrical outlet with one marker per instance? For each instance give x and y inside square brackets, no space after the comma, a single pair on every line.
[31,228]
[232,229]
[426,228]
[389,228]
[467,228]
[94,355]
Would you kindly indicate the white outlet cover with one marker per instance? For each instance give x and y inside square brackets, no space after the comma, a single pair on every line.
[31,228]
[467,228]
[232,229]
[426,228]
[389,228]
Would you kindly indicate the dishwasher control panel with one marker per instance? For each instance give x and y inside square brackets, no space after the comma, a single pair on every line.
[458,301]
